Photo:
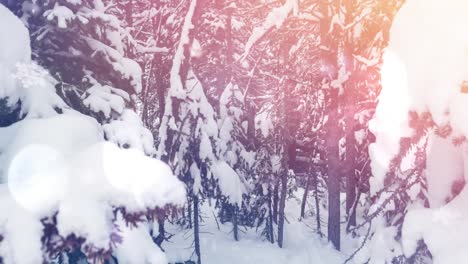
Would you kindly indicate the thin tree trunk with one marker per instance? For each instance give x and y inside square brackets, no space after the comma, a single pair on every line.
[351,179]
[350,110]
[333,180]
[282,205]
[331,38]
[157,62]
[304,197]
[189,211]
[229,44]
[129,13]
[353,210]
[161,95]
[275,202]
[289,156]
[162,232]
[129,20]
[235,230]
[271,236]
[317,205]
[196,229]
[146,100]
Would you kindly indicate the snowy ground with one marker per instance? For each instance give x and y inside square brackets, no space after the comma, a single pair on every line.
[302,244]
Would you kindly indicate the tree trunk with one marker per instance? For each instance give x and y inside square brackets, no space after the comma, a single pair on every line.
[235,225]
[332,37]
[289,154]
[161,217]
[333,180]
[271,236]
[129,13]
[351,179]
[196,229]
[157,62]
[282,205]
[129,20]
[350,110]
[353,210]
[146,100]
[317,205]
[229,44]
[304,197]
[189,212]
[275,202]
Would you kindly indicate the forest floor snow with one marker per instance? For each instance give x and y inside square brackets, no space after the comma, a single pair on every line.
[302,244]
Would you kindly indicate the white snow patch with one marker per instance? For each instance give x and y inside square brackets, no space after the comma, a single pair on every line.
[229,182]
[138,246]
[128,131]
[14,38]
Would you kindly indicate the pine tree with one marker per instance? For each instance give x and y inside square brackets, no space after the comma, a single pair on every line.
[64,36]
[82,46]
[231,148]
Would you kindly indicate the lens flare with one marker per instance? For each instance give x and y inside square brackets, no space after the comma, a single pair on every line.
[37,178]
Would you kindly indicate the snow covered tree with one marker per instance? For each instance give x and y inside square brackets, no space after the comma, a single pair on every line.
[188,128]
[424,134]
[272,123]
[261,202]
[81,44]
[231,147]
[352,36]
[69,195]
[154,36]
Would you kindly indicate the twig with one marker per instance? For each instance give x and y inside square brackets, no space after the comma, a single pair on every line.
[361,246]
[216,219]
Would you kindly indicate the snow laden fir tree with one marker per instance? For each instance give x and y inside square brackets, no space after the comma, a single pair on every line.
[419,157]
[56,166]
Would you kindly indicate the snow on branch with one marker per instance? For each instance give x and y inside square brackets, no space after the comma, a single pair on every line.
[275,18]
[176,81]
[152,49]
[368,62]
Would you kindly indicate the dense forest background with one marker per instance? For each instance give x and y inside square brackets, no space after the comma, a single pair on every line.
[260,108]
